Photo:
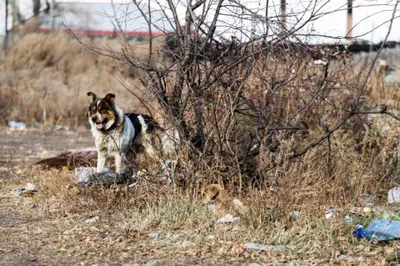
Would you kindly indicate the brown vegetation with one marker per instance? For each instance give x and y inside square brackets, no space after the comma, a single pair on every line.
[246,147]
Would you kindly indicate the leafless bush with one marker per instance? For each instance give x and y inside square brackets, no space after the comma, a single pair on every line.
[251,109]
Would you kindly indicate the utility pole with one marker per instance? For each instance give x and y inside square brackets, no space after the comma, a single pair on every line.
[36,7]
[283,16]
[5,41]
[349,34]
[52,15]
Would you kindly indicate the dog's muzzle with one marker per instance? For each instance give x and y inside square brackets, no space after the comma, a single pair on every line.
[99,124]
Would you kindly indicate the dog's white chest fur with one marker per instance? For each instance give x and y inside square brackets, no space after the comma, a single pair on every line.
[114,143]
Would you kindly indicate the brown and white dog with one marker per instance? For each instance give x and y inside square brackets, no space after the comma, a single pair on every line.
[123,135]
[113,132]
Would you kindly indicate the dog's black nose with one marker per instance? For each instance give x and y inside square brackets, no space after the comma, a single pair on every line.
[94,119]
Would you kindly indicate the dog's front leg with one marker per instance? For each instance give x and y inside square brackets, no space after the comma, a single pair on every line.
[118,163]
[101,161]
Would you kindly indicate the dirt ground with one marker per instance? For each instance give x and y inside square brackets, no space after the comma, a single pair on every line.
[50,228]
[30,235]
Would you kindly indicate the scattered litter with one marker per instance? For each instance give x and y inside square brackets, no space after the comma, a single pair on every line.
[93,219]
[379,230]
[261,247]
[134,184]
[168,168]
[330,213]
[394,195]
[31,259]
[320,62]
[154,235]
[229,218]
[34,206]
[351,258]
[25,191]
[348,219]
[295,214]
[61,127]
[368,199]
[12,125]
[212,208]
[367,210]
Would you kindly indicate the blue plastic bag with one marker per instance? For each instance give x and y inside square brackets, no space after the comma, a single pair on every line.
[379,230]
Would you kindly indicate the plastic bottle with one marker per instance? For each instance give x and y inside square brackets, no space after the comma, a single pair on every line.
[379,230]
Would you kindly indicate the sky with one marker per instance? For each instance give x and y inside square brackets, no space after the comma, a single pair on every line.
[370,18]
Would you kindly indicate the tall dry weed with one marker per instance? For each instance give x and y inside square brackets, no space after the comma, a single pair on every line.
[46,78]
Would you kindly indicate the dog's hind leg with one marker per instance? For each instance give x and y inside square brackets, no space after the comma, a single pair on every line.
[101,161]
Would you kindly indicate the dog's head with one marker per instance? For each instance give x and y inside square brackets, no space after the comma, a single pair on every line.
[212,193]
[102,112]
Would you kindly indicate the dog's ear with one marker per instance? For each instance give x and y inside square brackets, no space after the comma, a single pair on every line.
[110,98]
[215,195]
[94,97]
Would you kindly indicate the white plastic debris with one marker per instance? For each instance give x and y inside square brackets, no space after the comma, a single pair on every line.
[394,195]
[261,247]
[295,214]
[13,125]
[348,219]
[330,213]
[62,127]
[212,208]
[351,258]
[21,191]
[154,235]
[320,62]
[229,218]
[93,219]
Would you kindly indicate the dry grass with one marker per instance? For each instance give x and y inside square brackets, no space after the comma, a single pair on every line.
[46,79]
[358,159]
[57,232]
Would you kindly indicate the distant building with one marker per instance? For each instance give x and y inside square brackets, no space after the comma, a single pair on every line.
[101,20]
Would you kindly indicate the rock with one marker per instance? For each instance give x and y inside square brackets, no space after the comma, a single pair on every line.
[229,218]
[87,176]
[93,219]
[394,195]
[154,235]
[25,191]
[261,247]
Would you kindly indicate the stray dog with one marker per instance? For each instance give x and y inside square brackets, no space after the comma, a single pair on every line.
[113,132]
[124,135]
[216,194]
[154,141]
